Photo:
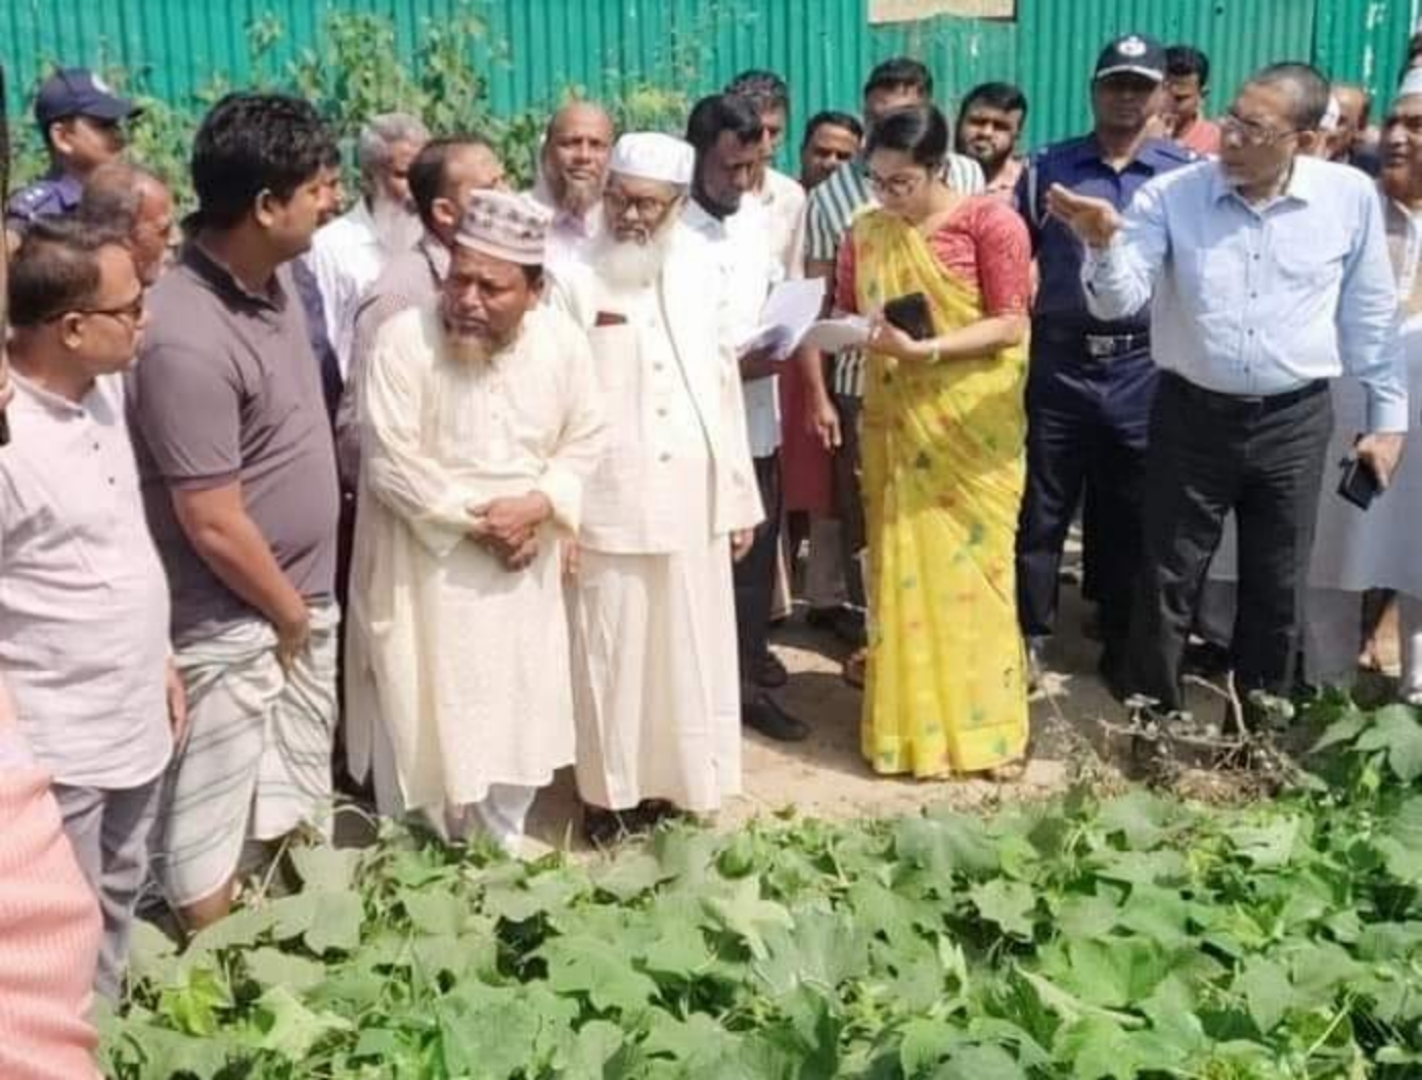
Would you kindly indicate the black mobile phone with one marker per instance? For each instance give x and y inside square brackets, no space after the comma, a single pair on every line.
[1359,484]
[911,315]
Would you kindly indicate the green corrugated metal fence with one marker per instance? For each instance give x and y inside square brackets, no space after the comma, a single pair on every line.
[534,48]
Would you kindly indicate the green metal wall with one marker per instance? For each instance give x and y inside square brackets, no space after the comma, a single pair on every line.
[824,47]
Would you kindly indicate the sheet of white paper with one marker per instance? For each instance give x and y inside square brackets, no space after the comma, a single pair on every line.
[790,310]
[831,335]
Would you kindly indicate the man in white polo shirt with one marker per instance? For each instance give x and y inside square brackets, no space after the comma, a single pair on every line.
[83,597]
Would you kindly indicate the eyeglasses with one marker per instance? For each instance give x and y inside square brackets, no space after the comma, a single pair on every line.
[1251,133]
[648,207]
[898,186]
[130,312]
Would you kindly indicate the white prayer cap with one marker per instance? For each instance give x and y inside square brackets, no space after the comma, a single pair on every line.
[506,226]
[1331,115]
[1411,83]
[650,155]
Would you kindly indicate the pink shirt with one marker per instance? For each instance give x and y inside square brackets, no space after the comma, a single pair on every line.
[50,928]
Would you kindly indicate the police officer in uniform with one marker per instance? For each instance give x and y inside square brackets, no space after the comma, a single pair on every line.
[1090,382]
[81,122]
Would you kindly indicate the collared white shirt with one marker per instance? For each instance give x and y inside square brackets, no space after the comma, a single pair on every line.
[346,257]
[748,271]
[570,236]
[83,598]
[784,201]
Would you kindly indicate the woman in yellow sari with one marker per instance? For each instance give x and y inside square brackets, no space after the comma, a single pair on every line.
[943,459]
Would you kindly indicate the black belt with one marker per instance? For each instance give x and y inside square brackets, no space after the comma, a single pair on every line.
[1259,404]
[1095,346]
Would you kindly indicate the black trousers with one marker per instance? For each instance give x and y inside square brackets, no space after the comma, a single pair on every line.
[1211,453]
[754,577]
[1086,423]
[848,496]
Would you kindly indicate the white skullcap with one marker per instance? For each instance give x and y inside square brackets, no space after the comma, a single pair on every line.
[1331,115]
[506,226]
[650,155]
[1411,83]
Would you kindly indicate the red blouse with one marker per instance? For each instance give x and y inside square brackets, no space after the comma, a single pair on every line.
[984,243]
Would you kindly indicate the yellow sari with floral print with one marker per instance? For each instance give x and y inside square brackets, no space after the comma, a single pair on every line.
[943,464]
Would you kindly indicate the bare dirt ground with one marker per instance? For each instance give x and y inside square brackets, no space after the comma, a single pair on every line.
[826,777]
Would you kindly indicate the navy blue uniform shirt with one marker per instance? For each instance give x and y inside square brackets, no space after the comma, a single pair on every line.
[1077,164]
[51,197]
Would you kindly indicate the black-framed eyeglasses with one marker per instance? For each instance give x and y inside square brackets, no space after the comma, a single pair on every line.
[129,312]
[1254,134]
[900,186]
[648,207]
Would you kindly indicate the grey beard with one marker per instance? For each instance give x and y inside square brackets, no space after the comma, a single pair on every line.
[396,228]
[629,265]
[578,196]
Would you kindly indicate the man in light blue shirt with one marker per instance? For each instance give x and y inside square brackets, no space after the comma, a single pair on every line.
[1267,273]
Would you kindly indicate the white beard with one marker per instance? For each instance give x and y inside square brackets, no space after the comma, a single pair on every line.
[626,264]
[397,229]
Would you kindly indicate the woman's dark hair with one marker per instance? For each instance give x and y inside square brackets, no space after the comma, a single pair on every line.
[920,131]
[830,118]
[251,143]
[719,113]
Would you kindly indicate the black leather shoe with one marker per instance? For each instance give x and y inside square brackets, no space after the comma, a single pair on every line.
[769,719]
[770,673]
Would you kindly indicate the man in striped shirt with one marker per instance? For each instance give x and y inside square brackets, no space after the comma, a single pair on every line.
[833,205]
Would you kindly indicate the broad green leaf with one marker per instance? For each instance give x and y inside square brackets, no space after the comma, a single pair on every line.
[1114,973]
[630,875]
[1270,845]
[436,913]
[593,1047]
[744,914]
[926,1042]
[1143,820]
[1346,728]
[1396,730]
[273,968]
[152,954]
[597,968]
[325,869]
[1100,1049]
[821,949]
[1163,867]
[242,927]
[980,1063]
[338,924]
[1267,991]
[1009,904]
[946,845]
[291,1029]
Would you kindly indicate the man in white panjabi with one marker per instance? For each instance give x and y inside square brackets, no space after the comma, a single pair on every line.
[655,672]
[481,425]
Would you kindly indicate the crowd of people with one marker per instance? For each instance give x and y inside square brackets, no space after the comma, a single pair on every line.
[435,490]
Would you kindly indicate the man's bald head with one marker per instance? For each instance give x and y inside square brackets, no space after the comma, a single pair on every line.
[445,173]
[1355,105]
[132,202]
[576,149]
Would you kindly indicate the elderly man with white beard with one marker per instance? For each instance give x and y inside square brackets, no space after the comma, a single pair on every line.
[349,253]
[655,681]
[480,425]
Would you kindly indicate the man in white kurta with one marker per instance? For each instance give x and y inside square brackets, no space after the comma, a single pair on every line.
[482,424]
[653,607]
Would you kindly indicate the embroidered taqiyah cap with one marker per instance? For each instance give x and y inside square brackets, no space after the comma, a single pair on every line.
[1133,54]
[506,226]
[650,155]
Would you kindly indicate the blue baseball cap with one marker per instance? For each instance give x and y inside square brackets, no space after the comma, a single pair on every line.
[79,92]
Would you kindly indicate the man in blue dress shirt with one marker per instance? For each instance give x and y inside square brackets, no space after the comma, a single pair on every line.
[1091,380]
[1267,275]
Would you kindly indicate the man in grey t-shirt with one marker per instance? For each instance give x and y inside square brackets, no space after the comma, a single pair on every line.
[240,485]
